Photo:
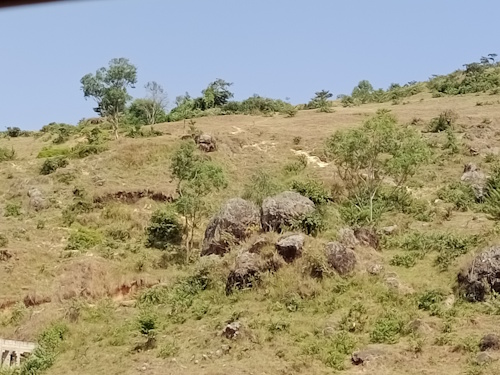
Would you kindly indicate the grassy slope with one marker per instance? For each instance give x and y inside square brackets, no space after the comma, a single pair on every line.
[276,340]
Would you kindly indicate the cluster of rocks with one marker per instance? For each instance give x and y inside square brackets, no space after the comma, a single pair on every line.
[239,219]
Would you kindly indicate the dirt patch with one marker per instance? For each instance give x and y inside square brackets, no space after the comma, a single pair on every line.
[311,159]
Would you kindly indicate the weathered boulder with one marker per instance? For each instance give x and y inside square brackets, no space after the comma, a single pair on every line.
[476,179]
[347,238]
[340,258]
[481,276]
[282,209]
[490,342]
[245,272]
[370,353]
[367,237]
[290,246]
[206,142]
[255,245]
[233,224]
[232,330]
[37,201]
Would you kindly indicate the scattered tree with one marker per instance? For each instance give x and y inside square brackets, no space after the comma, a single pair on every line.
[321,102]
[363,91]
[216,94]
[108,87]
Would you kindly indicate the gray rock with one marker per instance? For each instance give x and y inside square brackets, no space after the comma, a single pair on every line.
[367,237]
[206,142]
[232,330]
[290,246]
[245,272]
[370,353]
[473,177]
[389,230]
[347,238]
[256,245]
[419,326]
[37,201]
[282,209]
[482,275]
[483,358]
[375,269]
[340,258]
[234,223]
[490,342]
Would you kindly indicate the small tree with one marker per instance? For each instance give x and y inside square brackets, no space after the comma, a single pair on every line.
[197,178]
[321,102]
[380,148]
[216,94]
[108,87]
[363,91]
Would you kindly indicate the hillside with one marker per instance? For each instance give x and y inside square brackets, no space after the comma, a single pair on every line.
[76,261]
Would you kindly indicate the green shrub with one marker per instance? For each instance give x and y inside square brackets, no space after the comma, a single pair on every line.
[461,195]
[12,209]
[50,165]
[296,166]
[81,204]
[312,189]
[430,301]
[311,223]
[337,349]
[164,230]
[51,151]
[167,350]
[261,186]
[6,154]
[83,150]
[13,132]
[444,121]
[387,329]
[404,260]
[4,241]
[83,239]
[355,320]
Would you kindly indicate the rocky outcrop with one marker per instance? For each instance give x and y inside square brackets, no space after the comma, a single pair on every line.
[482,275]
[245,272]
[206,142]
[281,210]
[233,224]
[37,201]
[340,258]
[290,246]
[347,238]
[367,237]
[476,179]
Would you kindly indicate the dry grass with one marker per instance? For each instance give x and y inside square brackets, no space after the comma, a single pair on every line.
[285,317]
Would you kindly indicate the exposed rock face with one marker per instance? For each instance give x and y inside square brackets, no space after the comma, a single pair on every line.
[490,342]
[367,237]
[290,246]
[280,211]
[37,201]
[482,275]
[340,258]
[473,177]
[370,353]
[232,225]
[245,272]
[232,330]
[206,142]
[347,238]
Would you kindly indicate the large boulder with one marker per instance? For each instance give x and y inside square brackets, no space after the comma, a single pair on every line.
[245,272]
[206,142]
[340,258]
[482,275]
[234,223]
[290,246]
[282,209]
[476,179]
[37,201]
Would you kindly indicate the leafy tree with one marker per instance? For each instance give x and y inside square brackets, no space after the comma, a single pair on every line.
[197,178]
[216,94]
[380,148]
[363,91]
[320,101]
[108,87]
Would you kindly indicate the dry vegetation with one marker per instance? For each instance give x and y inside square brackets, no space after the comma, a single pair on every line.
[92,272]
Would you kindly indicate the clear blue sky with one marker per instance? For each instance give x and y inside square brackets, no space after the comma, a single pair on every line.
[275,48]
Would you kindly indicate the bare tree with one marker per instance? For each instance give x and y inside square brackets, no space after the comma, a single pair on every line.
[157,102]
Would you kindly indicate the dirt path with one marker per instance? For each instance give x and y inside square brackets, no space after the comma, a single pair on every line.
[311,159]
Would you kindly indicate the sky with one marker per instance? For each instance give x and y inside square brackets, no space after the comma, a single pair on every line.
[283,49]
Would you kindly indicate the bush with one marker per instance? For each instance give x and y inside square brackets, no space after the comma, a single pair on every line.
[164,230]
[83,150]
[6,154]
[430,300]
[405,260]
[50,165]
[311,223]
[13,132]
[260,187]
[12,209]
[313,190]
[83,239]
[4,241]
[296,166]
[387,329]
[50,151]
[461,195]
[445,120]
